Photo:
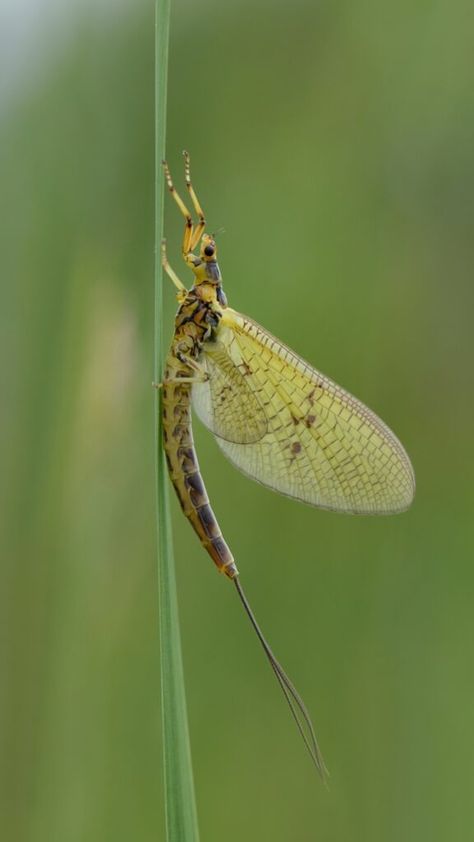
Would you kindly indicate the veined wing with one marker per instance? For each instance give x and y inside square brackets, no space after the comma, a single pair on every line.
[225,403]
[311,439]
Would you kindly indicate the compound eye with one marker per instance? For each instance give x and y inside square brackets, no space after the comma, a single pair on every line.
[209,251]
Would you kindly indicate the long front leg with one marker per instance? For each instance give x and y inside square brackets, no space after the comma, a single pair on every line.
[188,228]
[182,291]
[199,230]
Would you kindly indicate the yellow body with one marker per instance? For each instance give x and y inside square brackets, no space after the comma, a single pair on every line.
[191,327]
[275,417]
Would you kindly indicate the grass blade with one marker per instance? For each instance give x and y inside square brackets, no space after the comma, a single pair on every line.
[181,814]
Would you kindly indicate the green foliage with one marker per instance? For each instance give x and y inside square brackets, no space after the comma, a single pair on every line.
[333,142]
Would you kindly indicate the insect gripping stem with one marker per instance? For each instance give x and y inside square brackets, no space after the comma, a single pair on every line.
[276,418]
[295,702]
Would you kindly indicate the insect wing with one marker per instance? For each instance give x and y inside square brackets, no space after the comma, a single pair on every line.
[226,403]
[310,439]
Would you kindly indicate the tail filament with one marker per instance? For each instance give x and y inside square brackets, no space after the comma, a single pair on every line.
[295,702]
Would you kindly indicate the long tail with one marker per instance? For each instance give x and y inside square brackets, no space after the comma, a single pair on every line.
[295,702]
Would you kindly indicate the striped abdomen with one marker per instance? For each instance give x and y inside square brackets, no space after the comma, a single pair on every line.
[186,477]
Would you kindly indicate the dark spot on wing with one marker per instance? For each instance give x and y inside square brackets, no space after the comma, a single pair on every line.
[226,388]
[309,420]
[296,447]
[311,395]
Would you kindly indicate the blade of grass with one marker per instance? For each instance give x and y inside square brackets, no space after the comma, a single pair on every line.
[180,802]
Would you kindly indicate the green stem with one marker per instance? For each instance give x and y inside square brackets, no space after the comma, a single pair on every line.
[181,814]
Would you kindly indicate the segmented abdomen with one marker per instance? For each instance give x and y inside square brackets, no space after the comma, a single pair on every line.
[186,477]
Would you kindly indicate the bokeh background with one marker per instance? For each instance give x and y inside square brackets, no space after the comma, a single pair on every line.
[334,143]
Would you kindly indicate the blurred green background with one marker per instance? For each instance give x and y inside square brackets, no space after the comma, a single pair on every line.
[334,143]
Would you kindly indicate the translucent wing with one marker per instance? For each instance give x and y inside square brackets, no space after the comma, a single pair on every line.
[225,403]
[309,438]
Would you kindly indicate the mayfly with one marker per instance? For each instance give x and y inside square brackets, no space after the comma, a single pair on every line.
[275,417]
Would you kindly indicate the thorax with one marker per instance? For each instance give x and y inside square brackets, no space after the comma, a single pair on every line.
[197,320]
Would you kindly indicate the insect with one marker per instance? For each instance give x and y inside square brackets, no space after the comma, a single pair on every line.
[274,416]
